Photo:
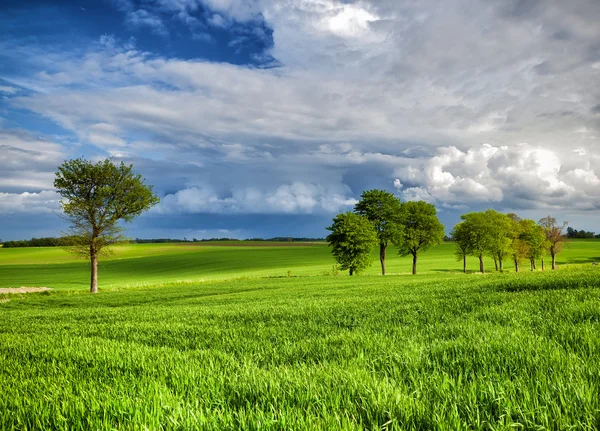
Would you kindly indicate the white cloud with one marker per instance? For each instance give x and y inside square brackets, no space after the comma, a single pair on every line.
[8,89]
[45,201]
[515,176]
[28,162]
[294,198]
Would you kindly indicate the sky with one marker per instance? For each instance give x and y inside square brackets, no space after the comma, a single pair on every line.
[262,118]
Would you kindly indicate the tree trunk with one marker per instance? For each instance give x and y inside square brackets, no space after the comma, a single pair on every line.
[465,263]
[414,264]
[481,268]
[516,265]
[532,264]
[501,264]
[553,261]
[496,263]
[94,267]
[382,258]
[542,263]
[351,271]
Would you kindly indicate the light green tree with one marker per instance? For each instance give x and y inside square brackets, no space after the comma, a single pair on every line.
[501,231]
[477,226]
[383,210]
[421,229]
[352,240]
[460,236]
[518,247]
[95,198]
[534,236]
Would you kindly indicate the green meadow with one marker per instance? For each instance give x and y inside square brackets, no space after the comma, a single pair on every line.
[266,337]
[157,264]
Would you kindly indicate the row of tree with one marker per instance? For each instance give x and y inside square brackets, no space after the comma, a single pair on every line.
[380,219]
[506,236]
[64,241]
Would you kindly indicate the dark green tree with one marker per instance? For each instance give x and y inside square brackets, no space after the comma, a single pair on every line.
[421,229]
[383,210]
[352,240]
[95,198]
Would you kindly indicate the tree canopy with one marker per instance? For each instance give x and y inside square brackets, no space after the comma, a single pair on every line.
[352,240]
[95,197]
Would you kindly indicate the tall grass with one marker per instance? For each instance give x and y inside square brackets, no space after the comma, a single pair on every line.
[437,351]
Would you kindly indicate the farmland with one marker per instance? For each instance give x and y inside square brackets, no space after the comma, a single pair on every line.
[219,337]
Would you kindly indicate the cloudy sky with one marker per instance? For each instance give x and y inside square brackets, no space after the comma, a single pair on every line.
[268,117]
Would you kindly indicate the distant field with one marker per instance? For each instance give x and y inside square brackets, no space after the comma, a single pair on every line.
[150,264]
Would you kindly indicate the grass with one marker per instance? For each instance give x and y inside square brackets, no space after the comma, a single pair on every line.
[437,351]
[426,352]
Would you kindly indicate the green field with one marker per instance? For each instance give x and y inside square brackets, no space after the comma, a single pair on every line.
[154,264]
[250,348]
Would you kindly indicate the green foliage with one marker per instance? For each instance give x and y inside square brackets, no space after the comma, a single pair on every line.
[95,197]
[421,229]
[383,210]
[430,352]
[460,236]
[501,234]
[535,239]
[352,240]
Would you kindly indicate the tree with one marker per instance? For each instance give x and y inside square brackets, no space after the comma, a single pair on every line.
[95,198]
[477,227]
[501,231]
[352,240]
[382,209]
[554,235]
[460,235]
[421,229]
[535,240]
[518,248]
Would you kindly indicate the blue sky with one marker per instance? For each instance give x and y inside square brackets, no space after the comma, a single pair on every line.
[267,117]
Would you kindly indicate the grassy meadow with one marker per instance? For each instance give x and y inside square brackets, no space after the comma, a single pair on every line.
[218,337]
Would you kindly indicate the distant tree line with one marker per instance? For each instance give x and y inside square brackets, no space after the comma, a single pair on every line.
[274,239]
[64,241]
[574,233]
[67,241]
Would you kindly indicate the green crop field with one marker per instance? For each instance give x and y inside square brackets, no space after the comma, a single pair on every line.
[219,337]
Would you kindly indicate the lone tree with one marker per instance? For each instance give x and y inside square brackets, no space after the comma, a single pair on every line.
[421,229]
[95,197]
[352,240]
[383,210]
[554,235]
